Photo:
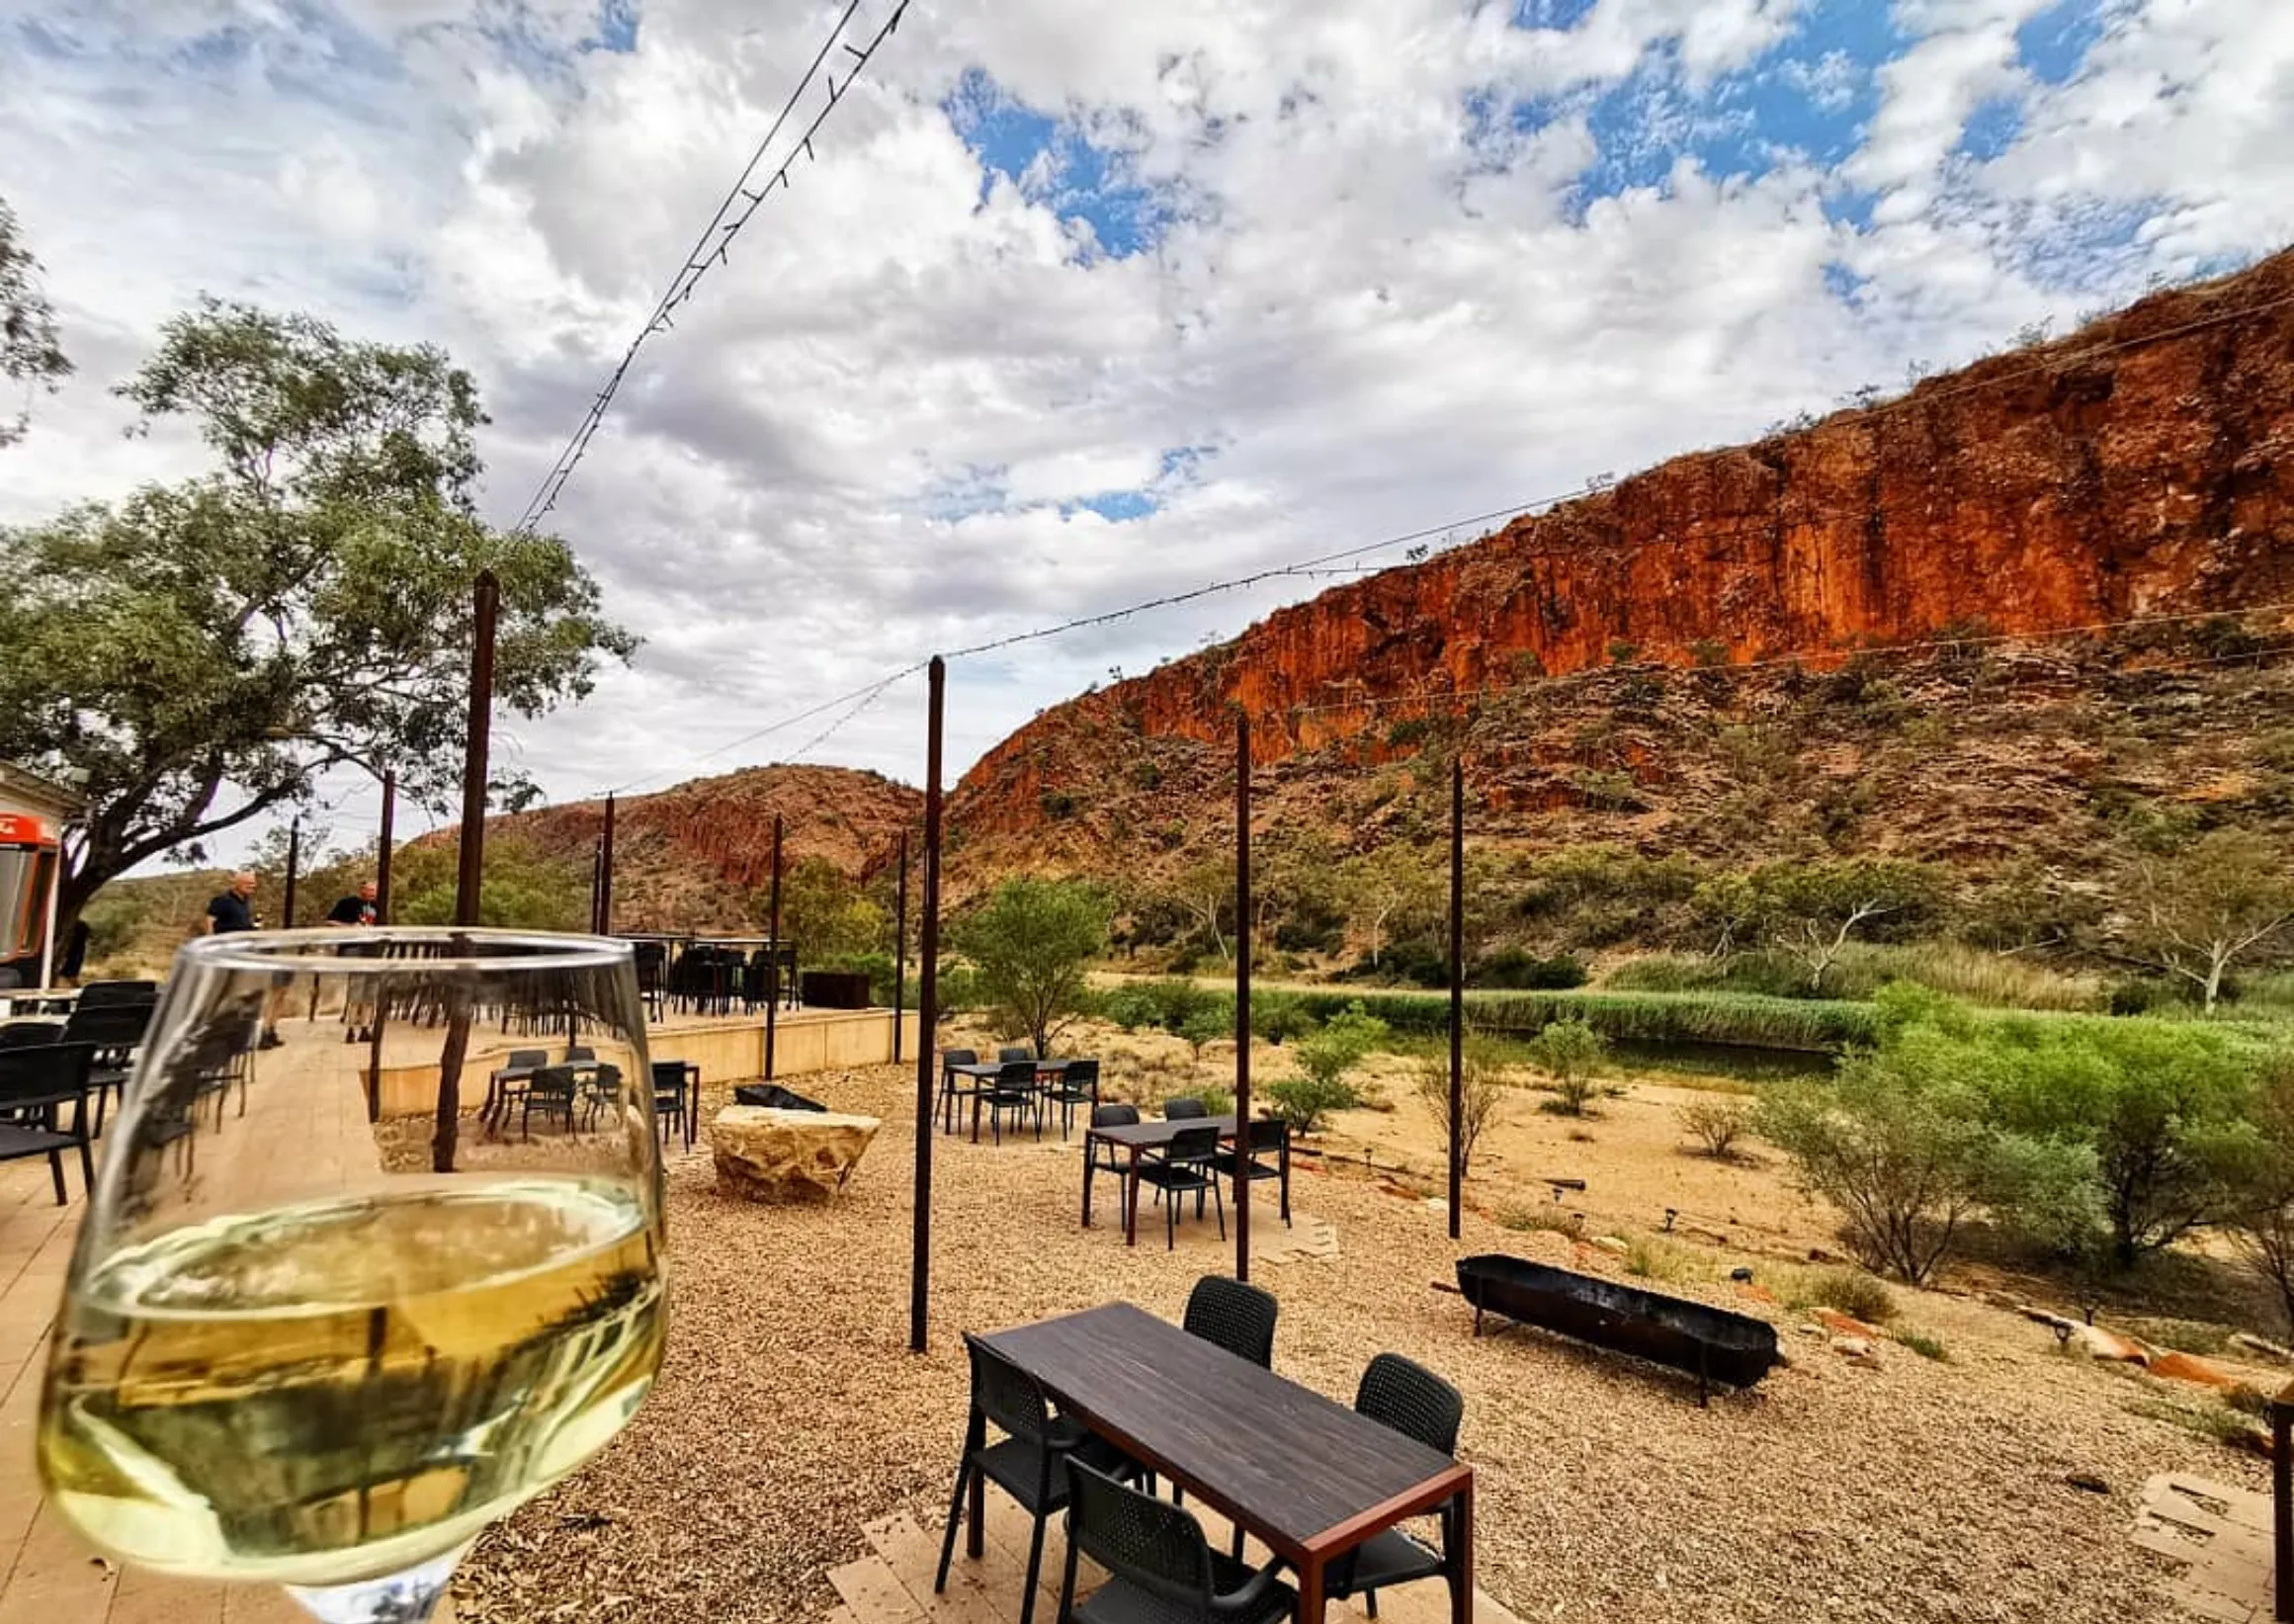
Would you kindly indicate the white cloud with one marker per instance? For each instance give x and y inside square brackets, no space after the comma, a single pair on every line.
[854,447]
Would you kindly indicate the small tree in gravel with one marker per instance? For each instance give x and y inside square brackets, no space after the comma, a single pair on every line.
[1572,1054]
[1480,1089]
[1032,942]
[1717,1122]
[1324,1059]
[2265,1224]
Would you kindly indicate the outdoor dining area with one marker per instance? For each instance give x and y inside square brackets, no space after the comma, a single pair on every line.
[1101,1409]
[69,1051]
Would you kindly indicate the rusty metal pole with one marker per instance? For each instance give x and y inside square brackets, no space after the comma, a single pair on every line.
[773,964]
[901,949]
[383,848]
[1457,988]
[294,869]
[381,917]
[2282,1500]
[486,604]
[605,874]
[927,1010]
[596,868]
[1242,997]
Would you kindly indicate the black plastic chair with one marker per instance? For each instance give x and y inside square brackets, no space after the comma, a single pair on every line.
[30,1034]
[1078,1083]
[507,1085]
[1186,1108]
[1111,1116]
[672,1084]
[1160,1569]
[1014,1052]
[1184,1170]
[1030,1464]
[1233,1315]
[34,1083]
[554,1089]
[1265,1135]
[954,1088]
[114,1034]
[1013,1088]
[1400,1394]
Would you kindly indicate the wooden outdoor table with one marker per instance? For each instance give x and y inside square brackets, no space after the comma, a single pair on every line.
[1135,1138]
[1310,1477]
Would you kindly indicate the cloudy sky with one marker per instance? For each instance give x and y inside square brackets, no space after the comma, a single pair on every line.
[1084,302]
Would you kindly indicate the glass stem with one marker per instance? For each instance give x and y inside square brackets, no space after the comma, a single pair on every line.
[408,1597]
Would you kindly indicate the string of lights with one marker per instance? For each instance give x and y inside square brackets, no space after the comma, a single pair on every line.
[712,249]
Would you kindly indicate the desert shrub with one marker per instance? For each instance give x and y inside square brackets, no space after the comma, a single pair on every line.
[1853,1292]
[1994,979]
[1552,1218]
[2263,1222]
[1304,1101]
[1130,1007]
[1572,1054]
[1652,1258]
[1217,1099]
[1717,1122]
[1899,1144]
[1481,1090]
[878,968]
[959,990]
[113,920]
[1921,1343]
[1207,1026]
[1517,968]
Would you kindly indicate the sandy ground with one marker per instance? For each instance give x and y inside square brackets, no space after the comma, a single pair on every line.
[790,1411]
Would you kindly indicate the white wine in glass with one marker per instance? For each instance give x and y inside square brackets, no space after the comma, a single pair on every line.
[294,1349]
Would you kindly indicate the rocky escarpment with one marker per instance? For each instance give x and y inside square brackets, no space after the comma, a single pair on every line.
[2144,466]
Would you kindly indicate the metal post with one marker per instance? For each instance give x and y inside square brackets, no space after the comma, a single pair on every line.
[1457,988]
[605,874]
[383,849]
[596,870]
[1242,919]
[294,870]
[901,948]
[927,1010]
[47,927]
[477,741]
[773,964]
[2282,1500]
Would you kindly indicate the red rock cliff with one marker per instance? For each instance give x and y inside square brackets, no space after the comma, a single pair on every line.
[2144,466]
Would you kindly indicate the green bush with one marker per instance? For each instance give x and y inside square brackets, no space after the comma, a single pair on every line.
[1303,1102]
[1207,1025]
[1572,1054]
[1921,1343]
[1032,940]
[112,921]
[1853,1292]
[1279,1018]
[878,967]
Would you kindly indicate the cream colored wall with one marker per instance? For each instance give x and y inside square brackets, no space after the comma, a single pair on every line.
[810,1041]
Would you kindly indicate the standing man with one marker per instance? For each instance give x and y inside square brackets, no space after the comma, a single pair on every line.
[353,911]
[232,911]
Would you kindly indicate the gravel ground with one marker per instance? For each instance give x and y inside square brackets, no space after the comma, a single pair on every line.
[790,1412]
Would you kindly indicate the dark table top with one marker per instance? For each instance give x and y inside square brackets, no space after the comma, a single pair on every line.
[1153,1135]
[992,1068]
[1307,1474]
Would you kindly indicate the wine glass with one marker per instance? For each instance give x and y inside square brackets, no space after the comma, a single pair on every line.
[339,1304]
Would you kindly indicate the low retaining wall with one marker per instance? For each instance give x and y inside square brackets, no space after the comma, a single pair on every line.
[807,1040]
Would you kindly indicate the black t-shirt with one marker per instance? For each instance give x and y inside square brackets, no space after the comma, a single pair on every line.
[351,911]
[230,911]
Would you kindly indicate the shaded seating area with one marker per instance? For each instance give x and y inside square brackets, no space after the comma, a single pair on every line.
[1018,1083]
[37,1083]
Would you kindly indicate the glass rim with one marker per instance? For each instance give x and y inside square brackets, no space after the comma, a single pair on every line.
[483,949]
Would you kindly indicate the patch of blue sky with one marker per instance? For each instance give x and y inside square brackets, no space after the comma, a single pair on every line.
[1061,163]
[1550,13]
[976,490]
[1992,128]
[2053,44]
[1115,506]
[1844,284]
[617,28]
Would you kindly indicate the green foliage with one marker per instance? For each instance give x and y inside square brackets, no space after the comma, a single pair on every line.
[1279,1016]
[826,912]
[2263,1220]
[1342,1043]
[1207,1026]
[522,887]
[1923,1343]
[1853,1292]
[1658,1017]
[201,651]
[1217,1101]
[1030,942]
[113,920]
[1390,893]
[1572,1054]
[1304,1101]
[1648,1258]
[30,355]
[1861,970]
[880,970]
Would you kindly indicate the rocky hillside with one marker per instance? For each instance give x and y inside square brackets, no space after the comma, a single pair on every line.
[2142,467]
[688,857]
